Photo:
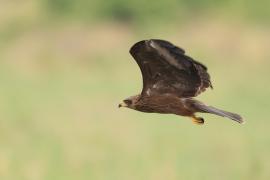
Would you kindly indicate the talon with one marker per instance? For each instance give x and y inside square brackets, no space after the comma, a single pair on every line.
[198,120]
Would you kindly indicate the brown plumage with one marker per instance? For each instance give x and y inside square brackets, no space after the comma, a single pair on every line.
[170,80]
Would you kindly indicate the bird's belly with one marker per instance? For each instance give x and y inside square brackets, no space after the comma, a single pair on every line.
[168,108]
[179,109]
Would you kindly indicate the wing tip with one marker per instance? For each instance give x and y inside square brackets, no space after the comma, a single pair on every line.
[136,47]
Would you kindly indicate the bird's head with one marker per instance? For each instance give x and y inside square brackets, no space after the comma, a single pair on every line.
[129,102]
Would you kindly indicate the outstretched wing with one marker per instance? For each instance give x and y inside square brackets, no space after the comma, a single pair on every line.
[166,69]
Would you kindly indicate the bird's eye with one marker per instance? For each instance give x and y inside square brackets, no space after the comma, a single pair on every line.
[127,101]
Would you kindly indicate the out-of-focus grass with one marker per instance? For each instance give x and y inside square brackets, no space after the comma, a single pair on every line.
[59,115]
[61,84]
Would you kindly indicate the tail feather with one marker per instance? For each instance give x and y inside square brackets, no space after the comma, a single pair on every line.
[219,112]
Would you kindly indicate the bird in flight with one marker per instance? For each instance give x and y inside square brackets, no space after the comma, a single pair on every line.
[171,80]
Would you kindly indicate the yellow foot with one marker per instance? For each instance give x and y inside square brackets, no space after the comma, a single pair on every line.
[198,120]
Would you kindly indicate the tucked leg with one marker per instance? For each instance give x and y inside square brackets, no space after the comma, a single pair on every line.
[197,120]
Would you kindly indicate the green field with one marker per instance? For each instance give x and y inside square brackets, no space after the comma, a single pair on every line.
[63,71]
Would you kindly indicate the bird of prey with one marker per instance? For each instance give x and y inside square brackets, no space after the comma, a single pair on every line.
[170,81]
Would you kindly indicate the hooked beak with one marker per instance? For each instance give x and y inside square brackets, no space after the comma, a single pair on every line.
[122,105]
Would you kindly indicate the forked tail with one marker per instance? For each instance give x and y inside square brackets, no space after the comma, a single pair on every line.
[219,112]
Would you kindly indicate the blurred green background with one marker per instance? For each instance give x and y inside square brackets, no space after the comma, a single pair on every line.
[65,66]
